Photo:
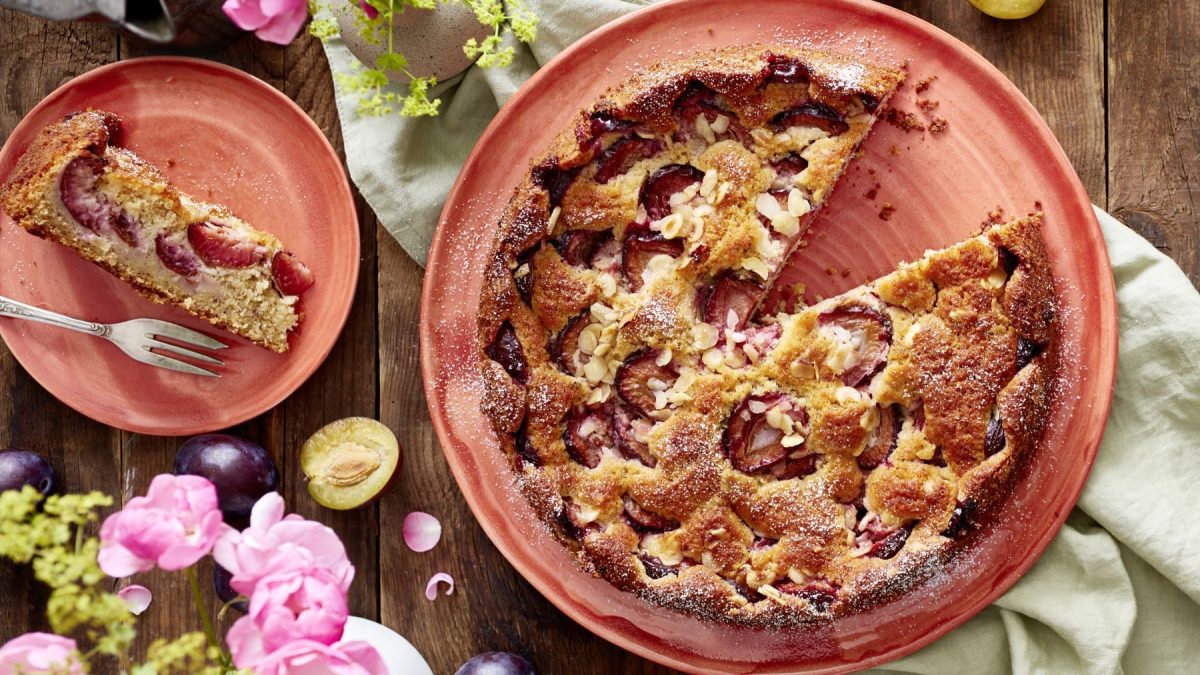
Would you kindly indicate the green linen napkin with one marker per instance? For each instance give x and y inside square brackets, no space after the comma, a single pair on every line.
[1118,589]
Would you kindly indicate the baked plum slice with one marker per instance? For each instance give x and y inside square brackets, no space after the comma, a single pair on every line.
[223,246]
[505,349]
[787,168]
[882,441]
[811,114]
[640,378]
[700,100]
[564,345]
[655,568]
[1026,352]
[587,436]
[627,426]
[729,299]
[876,539]
[664,182]
[89,208]
[785,69]
[819,593]
[639,249]
[754,443]
[623,154]
[960,520]
[864,335]
[554,180]
[994,440]
[291,276]
[577,247]
[645,520]
[175,256]
[571,522]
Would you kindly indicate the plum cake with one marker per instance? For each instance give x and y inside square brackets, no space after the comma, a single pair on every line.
[709,455]
[77,187]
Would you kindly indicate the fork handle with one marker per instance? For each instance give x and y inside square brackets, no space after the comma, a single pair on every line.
[20,310]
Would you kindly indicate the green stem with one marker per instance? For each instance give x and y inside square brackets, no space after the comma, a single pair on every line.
[209,631]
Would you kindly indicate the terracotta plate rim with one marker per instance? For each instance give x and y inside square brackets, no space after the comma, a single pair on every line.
[345,195]
[1105,375]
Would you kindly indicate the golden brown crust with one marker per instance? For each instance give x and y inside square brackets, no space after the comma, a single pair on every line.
[769,472]
[242,300]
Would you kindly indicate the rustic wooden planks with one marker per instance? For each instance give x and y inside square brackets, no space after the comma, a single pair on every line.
[1072,60]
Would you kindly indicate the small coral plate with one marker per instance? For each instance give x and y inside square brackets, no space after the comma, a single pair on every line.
[223,136]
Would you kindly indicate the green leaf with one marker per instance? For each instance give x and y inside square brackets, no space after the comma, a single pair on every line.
[391,61]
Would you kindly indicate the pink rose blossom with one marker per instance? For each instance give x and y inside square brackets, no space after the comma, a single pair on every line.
[294,605]
[274,543]
[136,597]
[37,653]
[173,526]
[275,21]
[314,658]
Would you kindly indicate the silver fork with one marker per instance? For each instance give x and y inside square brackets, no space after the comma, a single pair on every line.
[135,337]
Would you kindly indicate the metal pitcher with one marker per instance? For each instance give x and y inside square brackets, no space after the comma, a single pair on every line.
[147,19]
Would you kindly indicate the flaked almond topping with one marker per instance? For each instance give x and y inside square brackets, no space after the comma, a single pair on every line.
[756,265]
[607,283]
[722,190]
[735,358]
[721,124]
[589,338]
[704,129]
[655,384]
[709,183]
[757,407]
[705,335]
[751,352]
[847,394]
[553,219]
[713,358]
[771,592]
[804,370]
[791,440]
[731,318]
[997,278]
[594,370]
[599,395]
[603,313]
[671,226]
[767,206]
[522,271]
[660,400]
[664,357]
[797,204]
[657,266]
[796,575]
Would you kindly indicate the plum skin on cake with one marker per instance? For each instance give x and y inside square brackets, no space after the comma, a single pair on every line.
[76,186]
[739,466]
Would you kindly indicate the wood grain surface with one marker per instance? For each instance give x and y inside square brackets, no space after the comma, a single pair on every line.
[1114,79]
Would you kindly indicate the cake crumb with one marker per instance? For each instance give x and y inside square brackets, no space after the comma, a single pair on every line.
[924,84]
[937,125]
[886,211]
[873,192]
[831,270]
[894,150]
[845,272]
[927,105]
[903,120]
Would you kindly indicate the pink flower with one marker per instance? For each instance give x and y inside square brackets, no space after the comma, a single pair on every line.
[289,606]
[36,653]
[314,658]
[174,525]
[275,21]
[274,544]
[367,9]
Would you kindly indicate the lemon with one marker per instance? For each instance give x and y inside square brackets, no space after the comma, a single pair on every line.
[1008,9]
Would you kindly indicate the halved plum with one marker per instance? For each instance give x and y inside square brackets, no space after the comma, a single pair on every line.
[761,543]
[786,69]
[505,349]
[883,439]
[795,467]
[623,154]
[640,377]
[524,282]
[524,449]
[639,249]
[77,186]
[627,425]
[811,114]
[865,331]
[729,294]
[578,246]
[566,342]
[752,444]
[646,520]
[586,436]
[603,123]
[571,522]
[655,569]
[347,463]
[1026,352]
[664,182]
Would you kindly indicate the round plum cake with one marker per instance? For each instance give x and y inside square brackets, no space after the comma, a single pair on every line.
[714,456]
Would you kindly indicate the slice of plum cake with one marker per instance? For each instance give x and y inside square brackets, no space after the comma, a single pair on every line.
[77,187]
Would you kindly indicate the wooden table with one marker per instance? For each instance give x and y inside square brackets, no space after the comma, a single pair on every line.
[1113,78]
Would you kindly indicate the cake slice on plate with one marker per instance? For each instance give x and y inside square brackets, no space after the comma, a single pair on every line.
[77,187]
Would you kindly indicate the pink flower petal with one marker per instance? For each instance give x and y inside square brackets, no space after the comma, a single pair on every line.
[136,597]
[421,531]
[431,588]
